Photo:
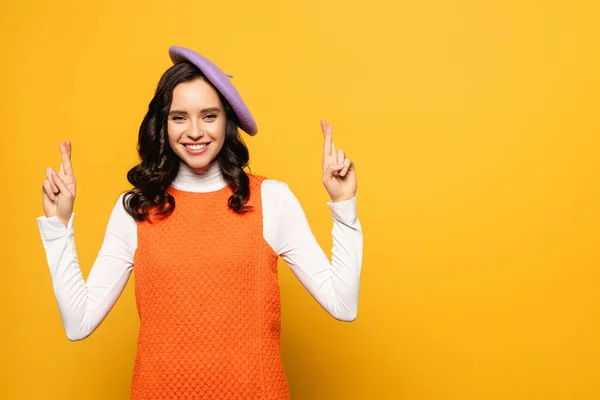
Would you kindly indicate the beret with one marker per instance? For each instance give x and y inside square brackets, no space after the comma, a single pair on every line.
[221,81]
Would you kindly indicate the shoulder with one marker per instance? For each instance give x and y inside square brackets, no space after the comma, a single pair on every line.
[272,191]
[120,212]
[272,188]
[121,225]
[121,200]
[268,187]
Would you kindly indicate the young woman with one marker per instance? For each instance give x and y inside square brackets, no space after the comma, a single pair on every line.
[204,237]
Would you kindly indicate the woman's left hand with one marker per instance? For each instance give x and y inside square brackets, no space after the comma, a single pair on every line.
[339,174]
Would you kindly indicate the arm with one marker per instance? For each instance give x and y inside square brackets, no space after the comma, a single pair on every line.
[334,285]
[83,305]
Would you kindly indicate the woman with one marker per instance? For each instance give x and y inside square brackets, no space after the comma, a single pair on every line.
[204,237]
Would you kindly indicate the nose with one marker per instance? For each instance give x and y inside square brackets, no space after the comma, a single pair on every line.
[196,132]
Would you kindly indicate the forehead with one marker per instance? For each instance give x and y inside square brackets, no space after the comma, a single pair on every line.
[195,94]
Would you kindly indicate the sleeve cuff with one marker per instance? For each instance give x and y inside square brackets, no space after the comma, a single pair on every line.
[344,211]
[51,228]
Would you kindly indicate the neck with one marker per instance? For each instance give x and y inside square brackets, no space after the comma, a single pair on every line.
[208,179]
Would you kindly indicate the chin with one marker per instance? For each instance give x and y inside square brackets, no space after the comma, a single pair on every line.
[198,163]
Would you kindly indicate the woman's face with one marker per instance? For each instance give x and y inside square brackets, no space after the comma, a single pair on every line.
[196,123]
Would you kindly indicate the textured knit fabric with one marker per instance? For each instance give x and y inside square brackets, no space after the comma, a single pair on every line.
[207,294]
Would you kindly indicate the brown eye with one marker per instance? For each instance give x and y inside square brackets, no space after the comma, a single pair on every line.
[211,116]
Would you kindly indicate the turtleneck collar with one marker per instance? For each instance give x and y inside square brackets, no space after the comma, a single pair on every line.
[209,180]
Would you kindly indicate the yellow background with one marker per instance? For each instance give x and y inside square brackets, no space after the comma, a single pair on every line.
[474,126]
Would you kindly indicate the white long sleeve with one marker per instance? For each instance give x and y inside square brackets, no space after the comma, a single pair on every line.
[83,305]
[335,284]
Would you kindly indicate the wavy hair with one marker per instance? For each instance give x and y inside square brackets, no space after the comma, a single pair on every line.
[159,164]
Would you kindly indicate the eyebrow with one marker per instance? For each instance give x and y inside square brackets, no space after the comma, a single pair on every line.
[203,111]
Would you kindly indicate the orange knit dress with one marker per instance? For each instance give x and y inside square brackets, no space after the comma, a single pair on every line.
[207,294]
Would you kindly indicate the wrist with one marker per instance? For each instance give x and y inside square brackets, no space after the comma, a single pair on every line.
[343,198]
[64,220]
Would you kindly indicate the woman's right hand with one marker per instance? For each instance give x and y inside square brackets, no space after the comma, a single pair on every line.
[58,190]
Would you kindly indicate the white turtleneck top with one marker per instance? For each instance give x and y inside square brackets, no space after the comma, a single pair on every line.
[334,284]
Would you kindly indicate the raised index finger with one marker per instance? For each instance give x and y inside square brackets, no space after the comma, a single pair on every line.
[328,144]
[65,153]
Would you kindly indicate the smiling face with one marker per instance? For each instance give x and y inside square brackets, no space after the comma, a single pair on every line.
[196,123]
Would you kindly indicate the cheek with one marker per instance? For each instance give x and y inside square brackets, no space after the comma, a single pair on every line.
[221,130]
[219,136]
[174,132]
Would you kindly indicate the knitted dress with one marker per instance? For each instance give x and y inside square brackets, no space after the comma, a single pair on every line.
[207,294]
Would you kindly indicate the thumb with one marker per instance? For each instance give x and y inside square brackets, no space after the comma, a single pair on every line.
[62,186]
[328,174]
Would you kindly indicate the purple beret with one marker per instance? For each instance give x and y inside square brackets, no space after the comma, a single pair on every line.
[220,81]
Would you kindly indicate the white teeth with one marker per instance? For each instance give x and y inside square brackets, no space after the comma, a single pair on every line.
[196,147]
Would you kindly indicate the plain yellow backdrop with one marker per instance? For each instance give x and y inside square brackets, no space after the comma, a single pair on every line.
[474,126]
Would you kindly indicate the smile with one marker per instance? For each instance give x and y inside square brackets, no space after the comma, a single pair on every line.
[196,147]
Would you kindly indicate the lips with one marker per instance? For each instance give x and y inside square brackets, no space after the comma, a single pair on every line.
[196,149]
